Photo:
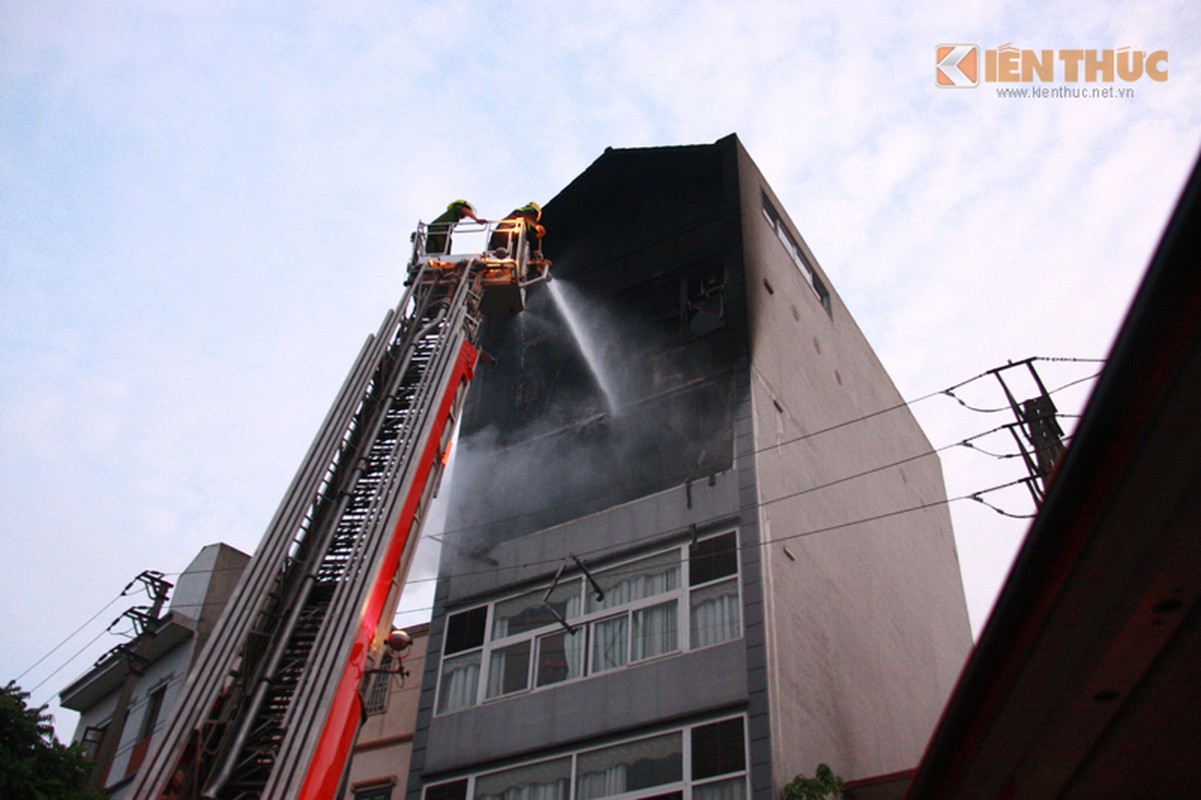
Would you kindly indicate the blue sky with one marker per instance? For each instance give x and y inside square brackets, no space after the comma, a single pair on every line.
[205,208]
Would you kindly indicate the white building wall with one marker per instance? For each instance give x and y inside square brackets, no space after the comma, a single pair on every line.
[866,621]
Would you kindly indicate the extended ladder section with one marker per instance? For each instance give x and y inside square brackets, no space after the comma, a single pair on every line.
[271,707]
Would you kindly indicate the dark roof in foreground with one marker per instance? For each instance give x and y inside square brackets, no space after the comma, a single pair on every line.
[1086,681]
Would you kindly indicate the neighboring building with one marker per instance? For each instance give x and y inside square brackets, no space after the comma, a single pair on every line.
[380,761]
[173,642]
[706,549]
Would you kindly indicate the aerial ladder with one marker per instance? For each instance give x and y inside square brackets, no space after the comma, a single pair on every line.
[272,705]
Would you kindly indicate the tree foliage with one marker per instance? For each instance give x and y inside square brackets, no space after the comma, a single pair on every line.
[824,784]
[34,765]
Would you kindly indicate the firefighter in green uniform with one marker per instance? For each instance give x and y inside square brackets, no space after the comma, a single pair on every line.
[437,240]
[504,238]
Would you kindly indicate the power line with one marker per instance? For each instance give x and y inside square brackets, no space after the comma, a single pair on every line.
[966,442]
[949,391]
[70,636]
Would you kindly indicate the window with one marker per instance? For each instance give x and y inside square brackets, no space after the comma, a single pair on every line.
[680,599]
[796,253]
[93,737]
[459,683]
[714,609]
[549,780]
[709,759]
[154,707]
[383,792]
[631,767]
[455,790]
[381,684]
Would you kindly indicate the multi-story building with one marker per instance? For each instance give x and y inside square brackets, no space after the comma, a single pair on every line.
[141,684]
[697,542]
[380,762]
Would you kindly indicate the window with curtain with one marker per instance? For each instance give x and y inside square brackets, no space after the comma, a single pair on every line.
[650,768]
[682,598]
[509,669]
[560,657]
[630,767]
[548,780]
[536,609]
[715,614]
[654,631]
[715,608]
[459,682]
[639,580]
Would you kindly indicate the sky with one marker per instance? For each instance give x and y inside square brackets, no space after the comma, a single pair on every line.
[205,208]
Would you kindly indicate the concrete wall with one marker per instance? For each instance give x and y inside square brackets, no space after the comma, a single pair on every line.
[867,625]
[385,742]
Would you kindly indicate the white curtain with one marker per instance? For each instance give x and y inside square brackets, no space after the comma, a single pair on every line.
[602,783]
[460,680]
[630,767]
[655,631]
[555,790]
[566,598]
[609,647]
[573,645]
[498,668]
[638,587]
[733,789]
[715,616]
[548,780]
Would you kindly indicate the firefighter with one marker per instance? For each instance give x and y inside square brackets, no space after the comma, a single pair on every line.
[504,238]
[438,238]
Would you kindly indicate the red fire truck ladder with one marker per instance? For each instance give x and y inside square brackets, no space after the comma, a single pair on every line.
[271,707]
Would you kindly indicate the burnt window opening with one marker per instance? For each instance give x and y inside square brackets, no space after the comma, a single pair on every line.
[703,303]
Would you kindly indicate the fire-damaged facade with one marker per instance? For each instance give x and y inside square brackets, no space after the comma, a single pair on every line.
[673,565]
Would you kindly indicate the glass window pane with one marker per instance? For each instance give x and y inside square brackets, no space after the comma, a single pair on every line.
[710,559]
[509,669]
[455,790]
[459,683]
[630,767]
[560,657]
[527,612]
[655,631]
[718,749]
[730,789]
[631,582]
[715,614]
[465,630]
[609,644]
[549,780]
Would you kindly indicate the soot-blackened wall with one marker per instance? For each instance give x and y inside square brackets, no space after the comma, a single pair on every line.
[616,381]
